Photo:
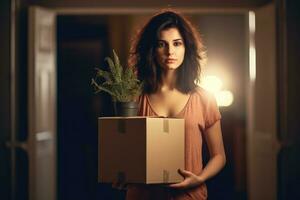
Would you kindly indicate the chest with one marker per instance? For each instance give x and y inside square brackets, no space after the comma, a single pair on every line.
[168,104]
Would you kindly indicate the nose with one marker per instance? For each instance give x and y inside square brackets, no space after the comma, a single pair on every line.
[170,50]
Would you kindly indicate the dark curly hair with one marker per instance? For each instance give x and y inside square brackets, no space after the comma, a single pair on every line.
[142,52]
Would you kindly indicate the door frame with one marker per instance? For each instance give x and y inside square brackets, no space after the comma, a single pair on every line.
[103,11]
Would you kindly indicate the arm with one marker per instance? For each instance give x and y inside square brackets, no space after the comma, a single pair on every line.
[213,137]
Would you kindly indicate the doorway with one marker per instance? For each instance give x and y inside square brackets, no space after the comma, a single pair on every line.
[83,43]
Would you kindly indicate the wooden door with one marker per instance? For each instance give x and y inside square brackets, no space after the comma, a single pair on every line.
[41,144]
[262,148]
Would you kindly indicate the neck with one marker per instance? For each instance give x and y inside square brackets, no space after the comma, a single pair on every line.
[168,80]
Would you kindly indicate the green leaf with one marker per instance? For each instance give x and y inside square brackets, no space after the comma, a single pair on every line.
[121,84]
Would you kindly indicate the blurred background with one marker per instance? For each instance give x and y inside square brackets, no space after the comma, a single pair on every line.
[48,111]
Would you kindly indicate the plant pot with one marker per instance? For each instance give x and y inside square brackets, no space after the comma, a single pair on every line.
[126,109]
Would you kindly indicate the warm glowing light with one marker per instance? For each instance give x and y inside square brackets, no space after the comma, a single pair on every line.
[214,85]
[252,62]
[224,98]
[252,50]
[252,22]
[211,83]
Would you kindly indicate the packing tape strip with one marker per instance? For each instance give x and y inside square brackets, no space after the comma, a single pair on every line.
[166,176]
[166,125]
[121,126]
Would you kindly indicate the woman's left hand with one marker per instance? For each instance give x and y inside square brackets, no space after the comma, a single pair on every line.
[190,180]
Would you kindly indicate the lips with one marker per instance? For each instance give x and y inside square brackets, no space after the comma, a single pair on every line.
[171,60]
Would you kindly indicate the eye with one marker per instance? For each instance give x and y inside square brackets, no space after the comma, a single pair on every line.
[161,44]
[177,43]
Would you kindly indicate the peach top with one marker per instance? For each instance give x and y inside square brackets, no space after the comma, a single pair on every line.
[200,112]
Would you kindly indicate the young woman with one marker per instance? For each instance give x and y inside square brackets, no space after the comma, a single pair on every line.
[169,54]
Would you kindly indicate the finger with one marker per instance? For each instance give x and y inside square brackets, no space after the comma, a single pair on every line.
[184,173]
[179,185]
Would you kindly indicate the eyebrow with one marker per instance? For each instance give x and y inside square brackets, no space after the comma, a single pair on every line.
[173,40]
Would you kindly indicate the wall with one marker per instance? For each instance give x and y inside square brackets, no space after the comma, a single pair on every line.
[289,83]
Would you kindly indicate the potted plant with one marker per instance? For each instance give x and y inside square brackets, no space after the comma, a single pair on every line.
[121,83]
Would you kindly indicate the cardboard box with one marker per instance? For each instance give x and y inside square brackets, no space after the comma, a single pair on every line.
[140,149]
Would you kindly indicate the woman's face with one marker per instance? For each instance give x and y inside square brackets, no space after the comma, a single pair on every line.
[170,49]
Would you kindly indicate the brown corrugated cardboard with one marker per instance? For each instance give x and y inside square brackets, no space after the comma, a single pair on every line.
[140,149]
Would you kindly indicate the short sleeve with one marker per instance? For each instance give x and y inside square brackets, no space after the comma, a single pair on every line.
[212,113]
